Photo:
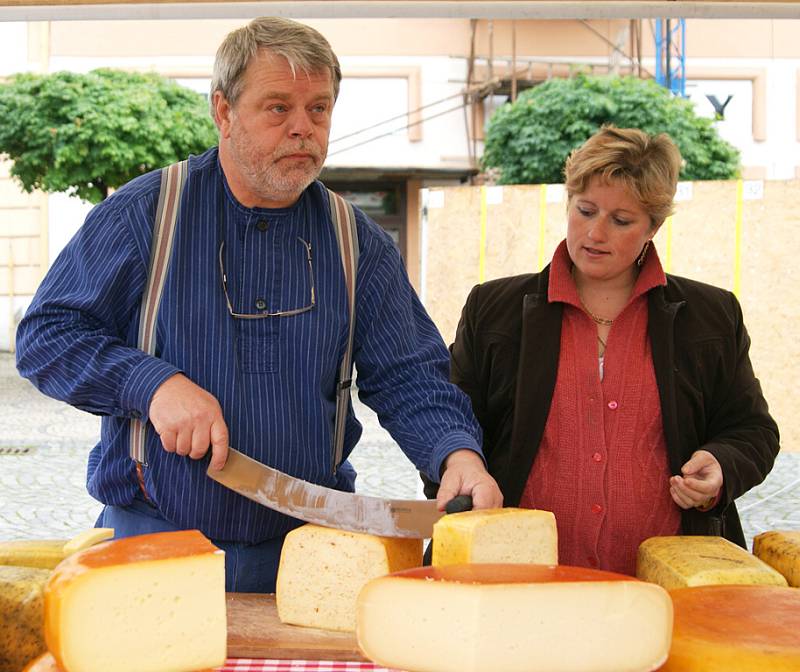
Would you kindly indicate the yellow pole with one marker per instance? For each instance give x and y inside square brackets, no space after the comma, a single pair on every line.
[482,253]
[542,223]
[737,254]
[668,254]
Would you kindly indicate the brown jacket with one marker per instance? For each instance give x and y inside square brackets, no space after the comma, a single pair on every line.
[505,357]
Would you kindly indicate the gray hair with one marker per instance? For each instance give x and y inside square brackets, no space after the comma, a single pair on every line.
[302,46]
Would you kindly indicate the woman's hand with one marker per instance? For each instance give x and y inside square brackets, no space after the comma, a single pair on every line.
[700,483]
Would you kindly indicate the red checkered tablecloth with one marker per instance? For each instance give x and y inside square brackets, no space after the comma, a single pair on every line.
[269,665]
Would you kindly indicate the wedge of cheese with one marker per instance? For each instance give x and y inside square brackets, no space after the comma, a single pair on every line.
[47,553]
[21,615]
[513,618]
[735,629]
[680,562]
[142,604]
[496,536]
[322,570]
[781,551]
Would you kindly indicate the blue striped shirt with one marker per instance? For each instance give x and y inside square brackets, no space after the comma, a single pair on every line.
[274,378]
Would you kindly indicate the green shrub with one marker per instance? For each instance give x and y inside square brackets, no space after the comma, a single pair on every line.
[529,140]
[86,133]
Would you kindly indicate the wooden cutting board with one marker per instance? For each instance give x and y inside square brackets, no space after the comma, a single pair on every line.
[254,631]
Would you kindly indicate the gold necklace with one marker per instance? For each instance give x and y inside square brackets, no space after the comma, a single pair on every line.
[604,321]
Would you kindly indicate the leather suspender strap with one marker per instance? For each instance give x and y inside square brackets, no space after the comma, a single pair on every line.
[344,222]
[173,178]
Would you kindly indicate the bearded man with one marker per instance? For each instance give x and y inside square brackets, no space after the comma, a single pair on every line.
[252,325]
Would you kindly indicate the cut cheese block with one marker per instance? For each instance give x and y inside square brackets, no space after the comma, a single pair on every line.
[21,616]
[681,562]
[47,553]
[735,629]
[496,536]
[142,604]
[514,618]
[322,570]
[781,551]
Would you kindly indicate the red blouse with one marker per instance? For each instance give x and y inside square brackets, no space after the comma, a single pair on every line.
[602,465]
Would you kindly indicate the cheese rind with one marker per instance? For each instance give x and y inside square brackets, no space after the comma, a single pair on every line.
[166,590]
[496,536]
[513,618]
[781,551]
[735,629]
[322,570]
[685,561]
[47,553]
[21,615]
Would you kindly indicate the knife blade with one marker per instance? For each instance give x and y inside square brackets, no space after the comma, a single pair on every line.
[411,518]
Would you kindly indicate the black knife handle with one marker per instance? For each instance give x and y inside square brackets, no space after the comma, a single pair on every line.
[458,504]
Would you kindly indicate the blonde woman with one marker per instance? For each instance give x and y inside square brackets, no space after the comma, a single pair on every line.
[616,396]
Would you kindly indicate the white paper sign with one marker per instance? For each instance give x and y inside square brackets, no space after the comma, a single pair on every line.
[436,199]
[494,195]
[684,192]
[753,190]
[554,193]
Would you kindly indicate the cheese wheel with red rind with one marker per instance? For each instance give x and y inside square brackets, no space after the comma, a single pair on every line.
[735,629]
[141,604]
[513,618]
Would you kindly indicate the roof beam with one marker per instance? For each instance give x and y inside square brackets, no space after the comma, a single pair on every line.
[58,10]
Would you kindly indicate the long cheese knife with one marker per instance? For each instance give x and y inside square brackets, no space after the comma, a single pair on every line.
[317,504]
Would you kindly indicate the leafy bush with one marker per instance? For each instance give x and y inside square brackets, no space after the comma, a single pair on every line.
[86,133]
[529,140]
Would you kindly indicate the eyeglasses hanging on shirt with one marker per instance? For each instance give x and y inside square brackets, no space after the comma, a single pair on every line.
[267,312]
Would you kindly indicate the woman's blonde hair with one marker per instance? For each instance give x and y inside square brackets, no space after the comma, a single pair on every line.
[303,47]
[647,165]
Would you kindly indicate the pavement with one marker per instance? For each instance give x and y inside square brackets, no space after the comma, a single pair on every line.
[44,444]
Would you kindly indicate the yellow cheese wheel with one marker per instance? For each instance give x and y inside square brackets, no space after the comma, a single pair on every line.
[496,536]
[142,604]
[781,551]
[735,629]
[322,570]
[681,562]
[47,553]
[21,615]
[513,618]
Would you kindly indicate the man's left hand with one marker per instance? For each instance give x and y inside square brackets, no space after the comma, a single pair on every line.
[465,474]
[700,483]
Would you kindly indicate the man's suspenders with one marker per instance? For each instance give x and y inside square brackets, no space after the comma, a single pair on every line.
[173,179]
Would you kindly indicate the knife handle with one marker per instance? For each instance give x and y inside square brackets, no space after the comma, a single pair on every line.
[459,503]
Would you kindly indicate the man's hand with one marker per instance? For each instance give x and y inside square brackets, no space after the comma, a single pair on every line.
[465,474]
[188,419]
[700,483]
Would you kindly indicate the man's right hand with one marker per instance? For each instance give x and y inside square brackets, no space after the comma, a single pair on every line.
[189,420]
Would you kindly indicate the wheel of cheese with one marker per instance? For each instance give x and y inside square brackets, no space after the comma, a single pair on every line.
[735,629]
[780,550]
[21,615]
[685,561]
[149,603]
[496,536]
[513,618]
[322,570]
